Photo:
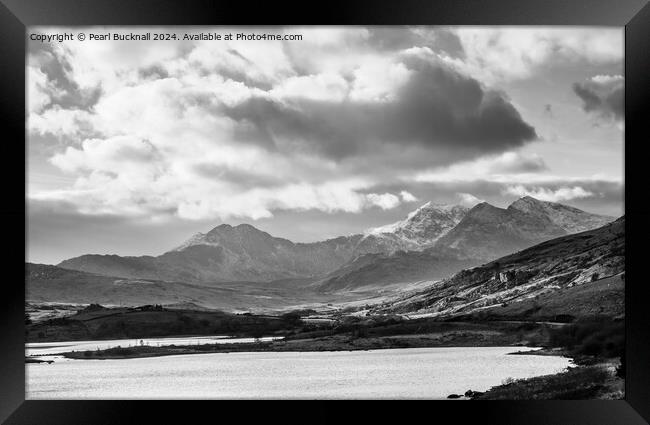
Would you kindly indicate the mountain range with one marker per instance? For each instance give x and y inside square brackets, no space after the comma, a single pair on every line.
[430,243]
[561,272]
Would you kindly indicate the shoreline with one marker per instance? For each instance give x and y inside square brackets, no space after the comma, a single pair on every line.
[584,381]
[588,377]
[324,344]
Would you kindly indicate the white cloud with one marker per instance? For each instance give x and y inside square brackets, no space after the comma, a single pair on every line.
[156,142]
[377,79]
[407,196]
[508,166]
[60,122]
[330,87]
[37,89]
[545,194]
[606,79]
[385,201]
[468,200]
[501,53]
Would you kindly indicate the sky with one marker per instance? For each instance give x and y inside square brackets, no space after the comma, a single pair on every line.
[133,146]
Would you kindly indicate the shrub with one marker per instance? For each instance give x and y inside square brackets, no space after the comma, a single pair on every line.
[604,338]
[120,351]
[291,318]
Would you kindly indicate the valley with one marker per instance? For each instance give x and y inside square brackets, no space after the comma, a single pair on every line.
[535,274]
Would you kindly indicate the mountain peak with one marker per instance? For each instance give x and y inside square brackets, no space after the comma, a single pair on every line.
[422,226]
[485,211]
[440,207]
[195,239]
[571,219]
[484,206]
[223,226]
[528,201]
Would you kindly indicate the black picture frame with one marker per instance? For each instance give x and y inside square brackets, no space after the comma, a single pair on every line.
[16,15]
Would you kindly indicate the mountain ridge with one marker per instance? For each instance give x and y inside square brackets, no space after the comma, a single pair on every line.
[245,253]
[571,260]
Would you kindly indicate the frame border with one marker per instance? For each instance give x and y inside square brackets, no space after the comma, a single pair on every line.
[16,15]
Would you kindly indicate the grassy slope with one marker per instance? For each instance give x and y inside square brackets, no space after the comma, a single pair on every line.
[560,263]
[53,284]
[605,297]
[119,323]
[376,271]
[578,383]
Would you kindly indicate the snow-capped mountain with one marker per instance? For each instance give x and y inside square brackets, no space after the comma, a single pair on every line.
[444,232]
[489,232]
[482,234]
[570,219]
[421,228]
[544,278]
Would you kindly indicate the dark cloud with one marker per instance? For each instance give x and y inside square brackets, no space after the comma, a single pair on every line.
[602,97]
[392,38]
[438,109]
[64,91]
[447,42]
[512,163]
[440,40]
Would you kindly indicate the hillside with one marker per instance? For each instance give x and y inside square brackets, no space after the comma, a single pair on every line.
[52,284]
[603,297]
[374,271]
[488,232]
[418,231]
[565,262]
[96,322]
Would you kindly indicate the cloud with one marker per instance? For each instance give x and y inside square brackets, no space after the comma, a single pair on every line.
[440,39]
[436,108]
[468,200]
[407,196]
[545,194]
[116,154]
[62,123]
[508,166]
[384,201]
[38,95]
[504,53]
[206,130]
[602,95]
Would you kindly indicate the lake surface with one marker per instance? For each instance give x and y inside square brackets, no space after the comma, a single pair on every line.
[430,373]
[51,348]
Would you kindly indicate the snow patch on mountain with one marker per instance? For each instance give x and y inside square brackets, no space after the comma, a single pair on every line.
[422,227]
[196,239]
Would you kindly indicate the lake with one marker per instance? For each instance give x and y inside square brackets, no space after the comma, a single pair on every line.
[52,348]
[429,373]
